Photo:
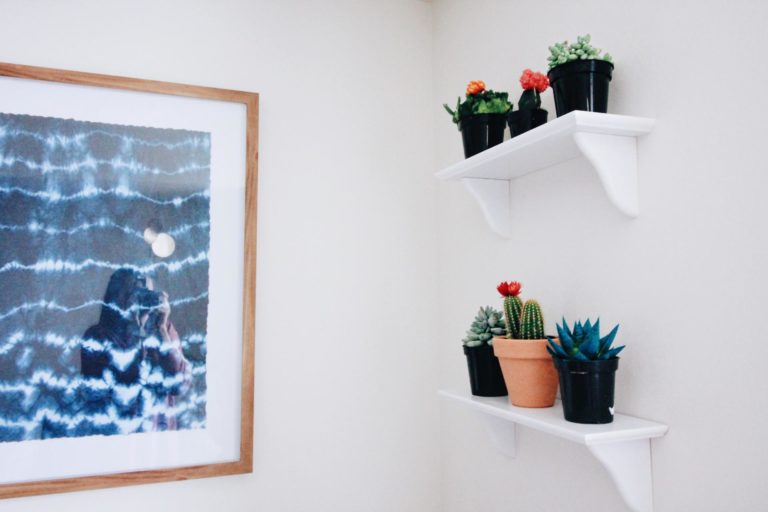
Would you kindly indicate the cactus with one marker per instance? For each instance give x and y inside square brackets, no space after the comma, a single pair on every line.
[560,53]
[533,84]
[523,321]
[486,325]
[513,307]
[532,323]
[584,342]
[529,100]
[513,311]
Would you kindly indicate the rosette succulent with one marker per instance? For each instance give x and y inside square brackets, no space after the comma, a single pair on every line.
[560,53]
[584,343]
[479,100]
[487,324]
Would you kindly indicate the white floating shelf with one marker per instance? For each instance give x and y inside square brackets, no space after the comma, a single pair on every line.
[623,447]
[607,141]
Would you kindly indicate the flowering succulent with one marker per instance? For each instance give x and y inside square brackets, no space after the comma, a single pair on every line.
[560,53]
[487,324]
[584,342]
[475,87]
[513,306]
[511,288]
[533,84]
[523,321]
[479,100]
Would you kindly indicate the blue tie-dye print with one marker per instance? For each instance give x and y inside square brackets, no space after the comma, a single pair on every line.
[75,198]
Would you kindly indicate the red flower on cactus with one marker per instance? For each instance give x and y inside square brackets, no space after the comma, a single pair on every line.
[533,80]
[509,289]
[475,87]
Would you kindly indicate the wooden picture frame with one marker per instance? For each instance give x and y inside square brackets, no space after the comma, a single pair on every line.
[86,84]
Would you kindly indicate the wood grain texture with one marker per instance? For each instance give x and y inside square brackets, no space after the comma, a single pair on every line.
[245,462]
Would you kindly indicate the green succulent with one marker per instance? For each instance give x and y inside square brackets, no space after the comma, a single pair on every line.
[486,102]
[560,53]
[487,324]
[584,342]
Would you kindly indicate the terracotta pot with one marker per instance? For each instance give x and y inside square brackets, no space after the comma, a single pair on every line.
[528,371]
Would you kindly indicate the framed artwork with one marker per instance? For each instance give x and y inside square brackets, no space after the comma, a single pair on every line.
[127,280]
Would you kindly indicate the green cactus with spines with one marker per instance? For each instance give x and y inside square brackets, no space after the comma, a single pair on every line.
[532,322]
[513,311]
[560,53]
[487,324]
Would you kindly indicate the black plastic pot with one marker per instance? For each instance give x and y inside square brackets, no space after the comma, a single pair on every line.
[581,85]
[586,388]
[485,376]
[520,121]
[481,131]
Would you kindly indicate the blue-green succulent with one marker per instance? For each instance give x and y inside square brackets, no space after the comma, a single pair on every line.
[584,342]
[488,323]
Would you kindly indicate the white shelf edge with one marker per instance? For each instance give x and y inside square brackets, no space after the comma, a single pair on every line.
[624,452]
[607,141]
[551,421]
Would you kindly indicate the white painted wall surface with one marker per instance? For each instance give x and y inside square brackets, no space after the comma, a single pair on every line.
[686,280]
[362,275]
[346,413]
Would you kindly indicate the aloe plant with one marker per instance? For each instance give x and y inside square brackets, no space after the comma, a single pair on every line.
[487,324]
[584,343]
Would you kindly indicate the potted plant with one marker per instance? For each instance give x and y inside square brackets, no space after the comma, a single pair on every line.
[481,117]
[579,76]
[529,114]
[485,377]
[587,366]
[527,367]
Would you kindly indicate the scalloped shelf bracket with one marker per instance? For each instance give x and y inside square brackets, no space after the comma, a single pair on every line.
[629,464]
[622,447]
[614,158]
[493,196]
[607,141]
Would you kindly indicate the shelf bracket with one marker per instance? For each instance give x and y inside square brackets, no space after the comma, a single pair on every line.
[503,434]
[494,199]
[623,447]
[614,158]
[629,464]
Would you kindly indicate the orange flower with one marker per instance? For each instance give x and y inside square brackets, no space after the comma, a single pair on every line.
[475,87]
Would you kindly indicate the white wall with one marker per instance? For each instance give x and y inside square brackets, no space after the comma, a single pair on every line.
[355,257]
[345,375]
[686,280]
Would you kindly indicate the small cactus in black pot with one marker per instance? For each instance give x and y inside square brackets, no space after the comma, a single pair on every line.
[530,114]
